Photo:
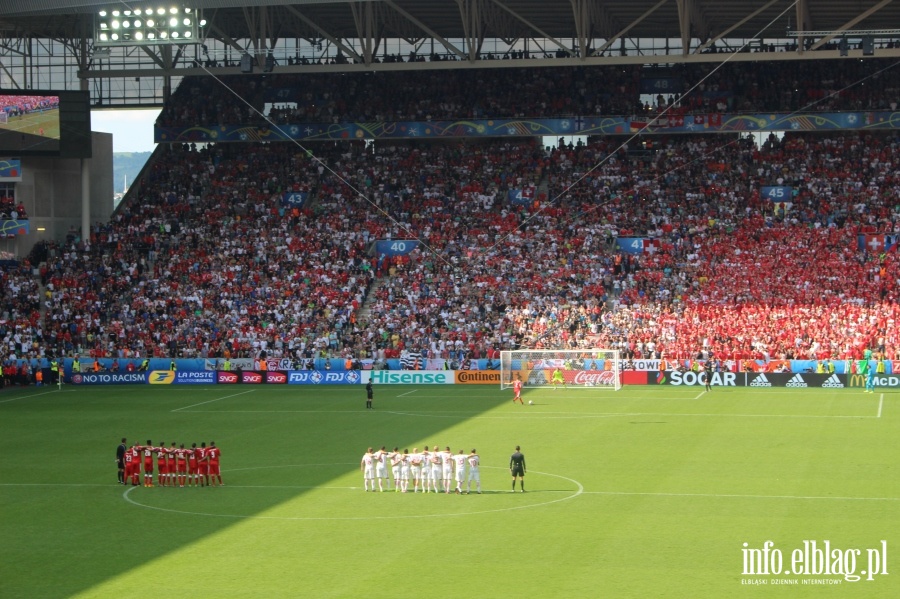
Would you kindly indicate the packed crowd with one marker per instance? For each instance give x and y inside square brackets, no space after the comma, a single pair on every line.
[211,262]
[787,86]
[19,105]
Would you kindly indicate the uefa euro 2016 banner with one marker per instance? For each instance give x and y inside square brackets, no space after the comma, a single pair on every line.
[578,125]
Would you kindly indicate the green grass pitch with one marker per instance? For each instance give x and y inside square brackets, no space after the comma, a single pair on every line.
[45,124]
[645,492]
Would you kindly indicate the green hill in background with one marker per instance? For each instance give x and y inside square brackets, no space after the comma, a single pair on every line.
[126,167]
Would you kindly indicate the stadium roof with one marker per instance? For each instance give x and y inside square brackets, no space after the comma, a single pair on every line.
[510,19]
[48,44]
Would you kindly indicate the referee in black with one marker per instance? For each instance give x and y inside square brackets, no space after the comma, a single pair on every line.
[120,460]
[517,469]
[369,395]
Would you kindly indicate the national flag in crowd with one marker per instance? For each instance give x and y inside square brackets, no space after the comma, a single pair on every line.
[876,244]
[410,360]
[638,123]
[638,245]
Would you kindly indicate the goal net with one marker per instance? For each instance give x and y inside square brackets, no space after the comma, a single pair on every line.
[576,369]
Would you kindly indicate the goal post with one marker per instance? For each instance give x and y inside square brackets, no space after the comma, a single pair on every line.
[578,369]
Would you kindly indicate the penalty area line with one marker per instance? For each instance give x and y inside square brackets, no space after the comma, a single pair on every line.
[212,400]
[407,393]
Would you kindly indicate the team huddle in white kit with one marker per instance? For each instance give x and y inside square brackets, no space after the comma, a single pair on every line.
[431,471]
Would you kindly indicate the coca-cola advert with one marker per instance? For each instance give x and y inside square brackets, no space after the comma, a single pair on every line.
[590,378]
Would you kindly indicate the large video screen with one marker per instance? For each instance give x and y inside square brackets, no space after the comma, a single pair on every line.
[45,123]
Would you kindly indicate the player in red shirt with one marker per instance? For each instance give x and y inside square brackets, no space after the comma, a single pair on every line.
[172,466]
[181,464]
[213,454]
[202,464]
[193,466]
[517,390]
[132,465]
[147,452]
[162,464]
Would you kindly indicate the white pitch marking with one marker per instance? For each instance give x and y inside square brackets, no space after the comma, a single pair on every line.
[614,414]
[59,485]
[543,415]
[700,395]
[407,393]
[212,400]
[880,405]
[35,395]
[736,496]
[578,491]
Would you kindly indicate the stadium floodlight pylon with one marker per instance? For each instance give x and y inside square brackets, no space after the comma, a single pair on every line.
[580,369]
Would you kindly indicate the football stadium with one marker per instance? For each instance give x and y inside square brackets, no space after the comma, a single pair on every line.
[480,298]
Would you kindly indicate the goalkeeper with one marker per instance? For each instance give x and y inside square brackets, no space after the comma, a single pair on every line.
[557,378]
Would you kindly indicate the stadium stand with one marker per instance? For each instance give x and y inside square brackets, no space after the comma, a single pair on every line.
[211,258]
[822,85]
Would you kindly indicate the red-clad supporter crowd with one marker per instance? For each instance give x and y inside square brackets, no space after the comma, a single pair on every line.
[19,105]
[734,87]
[209,261]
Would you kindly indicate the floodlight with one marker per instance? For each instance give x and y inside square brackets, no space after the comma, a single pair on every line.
[170,24]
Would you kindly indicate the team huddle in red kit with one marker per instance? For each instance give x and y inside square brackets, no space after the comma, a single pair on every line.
[175,466]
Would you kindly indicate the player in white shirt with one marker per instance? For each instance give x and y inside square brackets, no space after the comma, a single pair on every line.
[459,460]
[435,469]
[415,468]
[381,467]
[396,458]
[473,462]
[447,468]
[404,471]
[426,468]
[367,465]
